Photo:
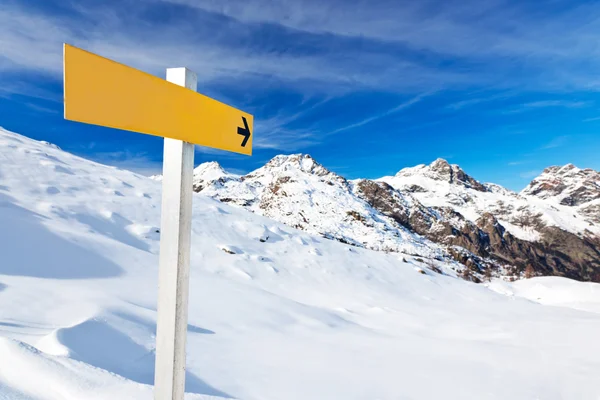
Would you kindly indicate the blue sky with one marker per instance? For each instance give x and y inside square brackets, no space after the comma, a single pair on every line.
[502,88]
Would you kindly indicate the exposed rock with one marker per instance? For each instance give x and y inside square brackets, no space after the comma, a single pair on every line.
[435,211]
[592,213]
[441,170]
[415,189]
[569,185]
[302,193]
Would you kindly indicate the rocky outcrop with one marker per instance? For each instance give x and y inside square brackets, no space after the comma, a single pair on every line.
[559,253]
[591,212]
[210,173]
[302,193]
[569,255]
[432,211]
[569,185]
[454,174]
[441,170]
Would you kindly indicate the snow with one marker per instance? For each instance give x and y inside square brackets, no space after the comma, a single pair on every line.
[299,192]
[211,171]
[571,190]
[522,232]
[293,317]
[506,205]
[554,291]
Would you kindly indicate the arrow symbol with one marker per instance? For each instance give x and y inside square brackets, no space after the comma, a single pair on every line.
[245,132]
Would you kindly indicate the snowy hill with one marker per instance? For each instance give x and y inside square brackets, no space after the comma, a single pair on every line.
[275,312]
[433,211]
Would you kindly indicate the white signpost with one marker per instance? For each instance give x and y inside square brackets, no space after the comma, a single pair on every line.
[174,262]
[102,92]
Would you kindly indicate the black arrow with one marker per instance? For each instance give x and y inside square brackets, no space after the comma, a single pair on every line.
[245,132]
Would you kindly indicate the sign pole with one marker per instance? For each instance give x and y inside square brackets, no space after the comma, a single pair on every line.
[103,92]
[174,262]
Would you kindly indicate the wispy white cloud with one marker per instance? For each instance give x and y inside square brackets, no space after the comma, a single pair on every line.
[543,104]
[557,103]
[32,41]
[287,139]
[467,103]
[42,109]
[10,87]
[393,110]
[275,133]
[339,47]
[489,40]
[515,163]
[507,41]
[557,142]
[529,174]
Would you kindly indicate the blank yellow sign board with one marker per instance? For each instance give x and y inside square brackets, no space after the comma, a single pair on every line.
[103,92]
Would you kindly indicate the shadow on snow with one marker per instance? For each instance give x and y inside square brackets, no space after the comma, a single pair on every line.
[30,249]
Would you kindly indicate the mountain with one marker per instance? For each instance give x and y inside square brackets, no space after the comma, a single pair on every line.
[551,238]
[274,312]
[301,193]
[433,211]
[569,186]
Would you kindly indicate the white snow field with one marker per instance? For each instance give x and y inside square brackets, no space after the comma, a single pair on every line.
[292,317]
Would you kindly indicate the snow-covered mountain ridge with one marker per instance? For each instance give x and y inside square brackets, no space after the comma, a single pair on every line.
[274,312]
[569,186]
[434,187]
[435,210]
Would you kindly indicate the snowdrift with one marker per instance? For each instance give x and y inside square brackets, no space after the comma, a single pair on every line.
[275,313]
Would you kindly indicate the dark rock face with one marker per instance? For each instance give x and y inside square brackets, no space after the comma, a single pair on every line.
[385,199]
[569,255]
[559,252]
[415,189]
[592,212]
[433,224]
[549,187]
[581,195]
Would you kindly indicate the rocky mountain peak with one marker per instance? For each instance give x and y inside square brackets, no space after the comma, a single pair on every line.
[560,170]
[442,170]
[295,162]
[569,167]
[211,166]
[210,172]
[440,165]
[569,185]
[207,171]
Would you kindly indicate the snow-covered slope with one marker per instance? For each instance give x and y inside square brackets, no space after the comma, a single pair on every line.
[275,313]
[301,193]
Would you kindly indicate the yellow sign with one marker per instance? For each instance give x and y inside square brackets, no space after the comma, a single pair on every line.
[103,92]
